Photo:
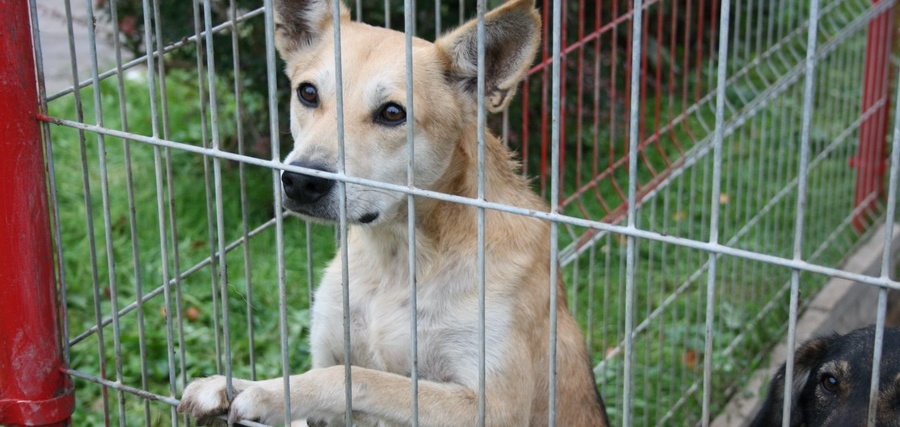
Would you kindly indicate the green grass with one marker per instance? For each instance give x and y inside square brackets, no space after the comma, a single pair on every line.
[193,245]
[760,159]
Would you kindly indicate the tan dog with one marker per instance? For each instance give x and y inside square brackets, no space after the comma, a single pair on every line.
[517,247]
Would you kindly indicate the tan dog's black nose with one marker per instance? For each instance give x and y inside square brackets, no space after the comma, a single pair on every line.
[305,189]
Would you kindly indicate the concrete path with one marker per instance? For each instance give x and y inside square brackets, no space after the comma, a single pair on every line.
[55,43]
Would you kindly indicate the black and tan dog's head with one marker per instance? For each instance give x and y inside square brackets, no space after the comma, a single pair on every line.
[831,382]
[375,111]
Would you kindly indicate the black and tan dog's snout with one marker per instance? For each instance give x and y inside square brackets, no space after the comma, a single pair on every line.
[306,189]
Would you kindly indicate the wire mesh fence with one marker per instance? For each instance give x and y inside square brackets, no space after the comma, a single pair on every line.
[708,165]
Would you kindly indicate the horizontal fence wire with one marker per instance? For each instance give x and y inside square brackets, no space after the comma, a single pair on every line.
[559,218]
[673,141]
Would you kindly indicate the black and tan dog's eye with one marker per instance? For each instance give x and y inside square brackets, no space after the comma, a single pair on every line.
[391,114]
[308,95]
[830,383]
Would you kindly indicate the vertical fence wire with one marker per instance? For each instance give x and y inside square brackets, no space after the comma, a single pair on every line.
[886,259]
[170,201]
[773,228]
[107,223]
[160,202]
[877,347]
[719,135]
[573,299]
[664,256]
[219,196]
[592,286]
[648,283]
[437,18]
[342,211]
[409,16]
[242,183]
[89,214]
[207,186]
[604,336]
[556,131]
[799,215]
[132,216]
[275,144]
[480,216]
[630,261]
[310,273]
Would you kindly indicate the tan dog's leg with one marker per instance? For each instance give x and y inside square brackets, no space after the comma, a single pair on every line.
[319,393]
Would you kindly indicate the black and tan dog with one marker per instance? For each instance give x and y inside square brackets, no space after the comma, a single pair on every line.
[832,375]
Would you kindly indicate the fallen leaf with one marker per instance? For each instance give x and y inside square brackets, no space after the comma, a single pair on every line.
[689,358]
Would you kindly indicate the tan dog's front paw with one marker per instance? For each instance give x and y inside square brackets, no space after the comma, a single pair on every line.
[256,403]
[205,399]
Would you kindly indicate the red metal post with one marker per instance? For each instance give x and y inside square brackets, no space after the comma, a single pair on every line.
[870,160]
[33,389]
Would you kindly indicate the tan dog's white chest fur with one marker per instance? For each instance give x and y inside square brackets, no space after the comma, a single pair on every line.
[517,249]
[447,307]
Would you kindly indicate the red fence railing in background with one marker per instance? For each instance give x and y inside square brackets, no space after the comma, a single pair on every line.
[595,96]
[870,161]
[601,92]
[678,42]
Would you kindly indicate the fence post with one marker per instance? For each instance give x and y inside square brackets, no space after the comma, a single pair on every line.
[34,391]
[871,160]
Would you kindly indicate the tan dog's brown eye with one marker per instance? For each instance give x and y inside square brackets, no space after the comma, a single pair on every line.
[308,95]
[391,115]
[830,384]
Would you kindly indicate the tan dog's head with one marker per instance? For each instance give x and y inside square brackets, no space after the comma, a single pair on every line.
[374,100]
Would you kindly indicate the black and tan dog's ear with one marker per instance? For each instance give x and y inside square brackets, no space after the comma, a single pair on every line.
[300,24]
[806,357]
[511,37]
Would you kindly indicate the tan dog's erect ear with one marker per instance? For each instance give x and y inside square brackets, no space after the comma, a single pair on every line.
[301,23]
[511,37]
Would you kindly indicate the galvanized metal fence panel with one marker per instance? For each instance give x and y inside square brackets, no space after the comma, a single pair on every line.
[673,140]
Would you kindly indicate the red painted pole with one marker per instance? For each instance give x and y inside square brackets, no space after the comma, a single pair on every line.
[33,389]
[871,159]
